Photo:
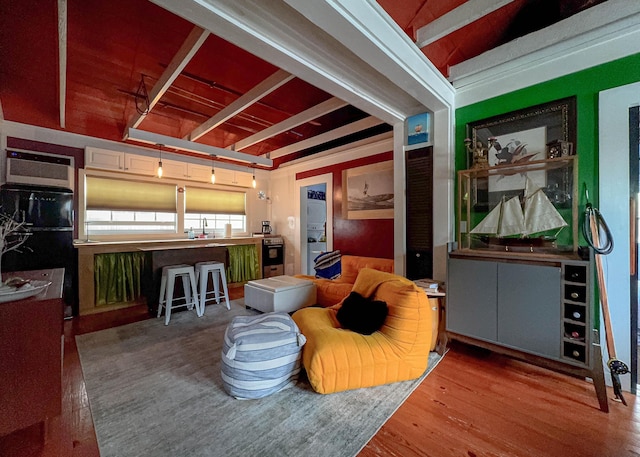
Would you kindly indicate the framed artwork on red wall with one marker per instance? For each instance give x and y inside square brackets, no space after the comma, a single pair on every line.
[368,191]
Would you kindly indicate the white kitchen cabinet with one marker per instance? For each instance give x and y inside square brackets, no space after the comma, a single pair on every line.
[148,166]
[102,158]
[120,161]
[174,169]
[233,178]
[141,165]
[200,173]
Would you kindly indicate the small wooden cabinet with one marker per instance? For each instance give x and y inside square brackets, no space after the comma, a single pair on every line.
[31,331]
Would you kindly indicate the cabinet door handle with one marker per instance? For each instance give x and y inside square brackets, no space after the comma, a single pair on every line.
[574,295]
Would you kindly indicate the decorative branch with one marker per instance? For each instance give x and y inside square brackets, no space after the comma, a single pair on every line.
[9,227]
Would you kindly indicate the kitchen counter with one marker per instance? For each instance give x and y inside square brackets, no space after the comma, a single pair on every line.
[158,249]
[179,242]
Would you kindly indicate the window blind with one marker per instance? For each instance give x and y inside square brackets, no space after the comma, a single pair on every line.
[201,200]
[119,194]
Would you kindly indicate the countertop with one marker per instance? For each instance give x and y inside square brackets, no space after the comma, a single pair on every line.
[178,243]
[55,275]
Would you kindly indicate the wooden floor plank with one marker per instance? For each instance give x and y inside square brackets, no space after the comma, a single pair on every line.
[474,404]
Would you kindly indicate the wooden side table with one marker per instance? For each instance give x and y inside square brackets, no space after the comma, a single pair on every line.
[437,297]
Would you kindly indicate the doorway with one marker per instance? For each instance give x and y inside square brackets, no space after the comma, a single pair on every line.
[618,189]
[315,232]
[316,208]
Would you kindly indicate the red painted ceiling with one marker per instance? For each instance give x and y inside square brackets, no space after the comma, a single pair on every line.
[115,46]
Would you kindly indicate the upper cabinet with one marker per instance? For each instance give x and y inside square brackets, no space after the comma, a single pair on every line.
[197,172]
[233,178]
[145,165]
[120,161]
[141,165]
[101,158]
[174,169]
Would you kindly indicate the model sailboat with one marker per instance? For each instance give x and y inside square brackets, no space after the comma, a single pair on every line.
[508,218]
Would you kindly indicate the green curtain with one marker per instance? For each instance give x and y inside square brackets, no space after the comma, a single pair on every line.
[243,263]
[118,277]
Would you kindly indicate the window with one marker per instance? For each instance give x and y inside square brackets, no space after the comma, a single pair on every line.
[122,206]
[215,222]
[119,206]
[217,208]
[101,222]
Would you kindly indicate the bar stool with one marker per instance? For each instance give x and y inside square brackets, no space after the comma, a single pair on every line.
[169,275]
[217,274]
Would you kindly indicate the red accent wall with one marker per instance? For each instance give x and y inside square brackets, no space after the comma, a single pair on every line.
[365,237]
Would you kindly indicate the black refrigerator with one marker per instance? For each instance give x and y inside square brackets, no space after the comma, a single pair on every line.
[47,213]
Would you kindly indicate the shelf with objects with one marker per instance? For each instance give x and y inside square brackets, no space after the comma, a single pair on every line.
[517,281]
[514,209]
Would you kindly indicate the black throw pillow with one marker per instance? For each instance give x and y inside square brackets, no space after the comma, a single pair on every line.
[361,314]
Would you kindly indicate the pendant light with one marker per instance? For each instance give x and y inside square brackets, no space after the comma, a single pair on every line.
[159,170]
[253,181]
[213,173]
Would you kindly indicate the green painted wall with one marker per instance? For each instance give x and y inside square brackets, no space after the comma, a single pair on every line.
[585,85]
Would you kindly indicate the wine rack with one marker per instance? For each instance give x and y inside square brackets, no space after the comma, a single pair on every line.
[576,314]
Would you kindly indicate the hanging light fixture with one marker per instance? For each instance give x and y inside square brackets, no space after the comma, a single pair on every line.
[213,173]
[253,181]
[159,170]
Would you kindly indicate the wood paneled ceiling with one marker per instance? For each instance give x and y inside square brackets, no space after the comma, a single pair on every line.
[120,52]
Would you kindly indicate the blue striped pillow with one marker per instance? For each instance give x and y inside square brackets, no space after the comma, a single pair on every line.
[328,265]
[261,355]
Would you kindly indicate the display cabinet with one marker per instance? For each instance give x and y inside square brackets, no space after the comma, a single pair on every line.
[524,207]
[517,281]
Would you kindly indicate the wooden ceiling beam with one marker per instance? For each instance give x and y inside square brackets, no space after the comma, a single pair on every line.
[334,134]
[305,116]
[191,45]
[62,60]
[276,80]
[198,148]
[465,14]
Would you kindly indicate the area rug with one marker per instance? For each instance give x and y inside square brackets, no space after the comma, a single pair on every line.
[155,390]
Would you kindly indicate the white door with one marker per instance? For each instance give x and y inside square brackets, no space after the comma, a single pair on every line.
[614,189]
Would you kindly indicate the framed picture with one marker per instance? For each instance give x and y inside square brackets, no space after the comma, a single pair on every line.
[519,137]
[418,128]
[368,191]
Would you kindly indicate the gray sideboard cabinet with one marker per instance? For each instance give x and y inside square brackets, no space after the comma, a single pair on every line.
[535,309]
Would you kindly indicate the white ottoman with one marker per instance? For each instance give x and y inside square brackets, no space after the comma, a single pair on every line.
[283,294]
[261,355]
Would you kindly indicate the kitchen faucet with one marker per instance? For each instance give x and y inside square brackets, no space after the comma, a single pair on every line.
[204,224]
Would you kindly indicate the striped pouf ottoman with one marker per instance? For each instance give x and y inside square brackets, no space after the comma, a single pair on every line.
[261,355]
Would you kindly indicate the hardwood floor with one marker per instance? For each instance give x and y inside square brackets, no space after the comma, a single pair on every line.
[474,403]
